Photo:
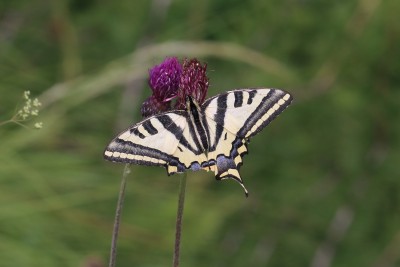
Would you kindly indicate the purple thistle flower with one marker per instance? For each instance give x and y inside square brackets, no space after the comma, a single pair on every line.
[170,79]
[164,79]
[193,82]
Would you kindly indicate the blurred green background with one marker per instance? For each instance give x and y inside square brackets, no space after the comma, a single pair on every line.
[324,178]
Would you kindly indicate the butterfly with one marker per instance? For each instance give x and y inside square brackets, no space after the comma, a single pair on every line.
[213,136]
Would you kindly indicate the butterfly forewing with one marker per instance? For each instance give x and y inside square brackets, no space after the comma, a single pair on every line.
[246,112]
[149,142]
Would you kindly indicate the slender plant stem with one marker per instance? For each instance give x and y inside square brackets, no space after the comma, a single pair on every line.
[13,121]
[120,203]
[179,216]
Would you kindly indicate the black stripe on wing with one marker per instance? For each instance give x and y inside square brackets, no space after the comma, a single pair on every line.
[148,126]
[219,116]
[169,125]
[195,139]
[270,107]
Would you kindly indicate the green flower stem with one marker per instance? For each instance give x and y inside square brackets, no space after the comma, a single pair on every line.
[179,216]
[120,203]
[14,121]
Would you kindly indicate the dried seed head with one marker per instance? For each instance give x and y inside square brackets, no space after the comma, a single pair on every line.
[152,106]
[193,82]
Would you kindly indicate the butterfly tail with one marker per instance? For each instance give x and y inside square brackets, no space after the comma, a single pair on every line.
[227,169]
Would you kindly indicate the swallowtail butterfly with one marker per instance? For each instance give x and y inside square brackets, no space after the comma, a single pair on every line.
[213,136]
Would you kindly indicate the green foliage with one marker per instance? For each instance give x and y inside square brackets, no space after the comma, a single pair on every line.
[323,178]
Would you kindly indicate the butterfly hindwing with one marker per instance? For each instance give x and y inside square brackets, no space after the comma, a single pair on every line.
[188,151]
[226,152]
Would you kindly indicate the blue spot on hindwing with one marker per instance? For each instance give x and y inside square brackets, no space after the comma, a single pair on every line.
[195,166]
[224,164]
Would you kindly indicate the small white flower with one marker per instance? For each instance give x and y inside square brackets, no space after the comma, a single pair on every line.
[38,125]
[27,94]
[28,110]
[36,103]
[30,107]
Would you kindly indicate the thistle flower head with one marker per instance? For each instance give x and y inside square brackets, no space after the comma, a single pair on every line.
[164,79]
[170,80]
[193,82]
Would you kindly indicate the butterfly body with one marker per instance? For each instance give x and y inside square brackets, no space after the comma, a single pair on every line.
[212,136]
